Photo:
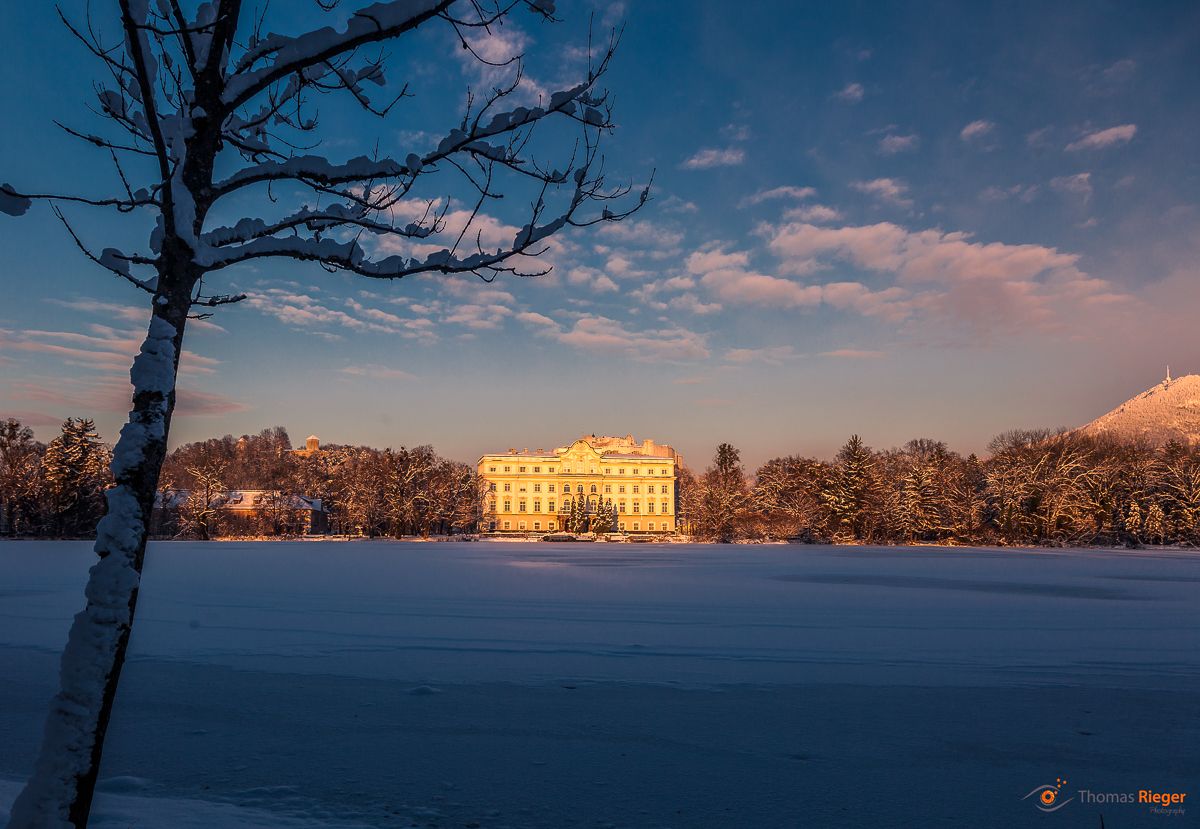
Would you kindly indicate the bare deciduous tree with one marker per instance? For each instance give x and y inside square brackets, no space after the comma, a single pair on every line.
[214,112]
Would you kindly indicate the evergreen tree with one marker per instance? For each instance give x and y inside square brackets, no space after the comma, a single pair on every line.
[724,496]
[76,469]
[1156,524]
[850,490]
[1133,522]
[577,521]
[602,520]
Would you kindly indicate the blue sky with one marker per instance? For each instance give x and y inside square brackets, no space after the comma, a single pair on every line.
[942,221]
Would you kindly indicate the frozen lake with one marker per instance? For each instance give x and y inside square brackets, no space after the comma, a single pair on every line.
[316,684]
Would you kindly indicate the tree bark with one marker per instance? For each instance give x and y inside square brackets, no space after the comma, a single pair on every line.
[59,794]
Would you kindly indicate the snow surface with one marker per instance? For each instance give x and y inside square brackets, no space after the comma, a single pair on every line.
[534,685]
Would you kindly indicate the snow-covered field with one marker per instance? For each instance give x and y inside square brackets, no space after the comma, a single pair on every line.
[586,685]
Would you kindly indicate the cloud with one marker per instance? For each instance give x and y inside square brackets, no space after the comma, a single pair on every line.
[303,311]
[1079,184]
[893,144]
[787,191]
[1098,140]
[597,334]
[377,372]
[976,129]
[193,403]
[715,157]
[1025,193]
[1121,70]
[593,278]
[690,302]
[889,190]
[134,314]
[947,274]
[674,204]
[1038,138]
[643,233]
[109,393]
[735,132]
[478,317]
[854,354]
[710,259]
[103,348]
[851,93]
[772,356]
[812,213]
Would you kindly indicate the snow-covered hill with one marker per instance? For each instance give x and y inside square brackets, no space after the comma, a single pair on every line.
[1166,411]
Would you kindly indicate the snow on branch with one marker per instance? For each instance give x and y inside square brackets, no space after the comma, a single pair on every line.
[285,56]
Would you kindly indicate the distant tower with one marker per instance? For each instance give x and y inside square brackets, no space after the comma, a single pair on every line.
[312,443]
[1168,380]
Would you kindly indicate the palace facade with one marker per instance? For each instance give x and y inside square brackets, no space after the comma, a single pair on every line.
[538,491]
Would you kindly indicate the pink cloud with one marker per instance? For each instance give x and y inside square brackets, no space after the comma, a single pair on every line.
[1100,139]
[594,333]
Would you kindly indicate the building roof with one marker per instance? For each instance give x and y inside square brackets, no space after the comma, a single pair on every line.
[609,446]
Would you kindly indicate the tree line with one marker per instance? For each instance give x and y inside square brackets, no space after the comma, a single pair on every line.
[56,489]
[1035,487]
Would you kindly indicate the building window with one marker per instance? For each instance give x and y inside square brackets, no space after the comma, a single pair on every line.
[537,469]
[649,506]
[607,471]
[620,489]
[508,487]
[622,471]
[492,487]
[566,469]
[508,469]
[608,488]
[637,505]
[491,526]
[593,489]
[537,506]
[636,526]
[579,487]
[635,489]
[637,471]
[491,469]
[550,488]
[664,508]
[521,506]
[537,487]
[550,525]
[537,525]
[621,507]
[522,525]
[549,506]
[507,506]
[520,469]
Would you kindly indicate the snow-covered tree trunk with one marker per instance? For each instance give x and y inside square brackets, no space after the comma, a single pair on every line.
[59,794]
